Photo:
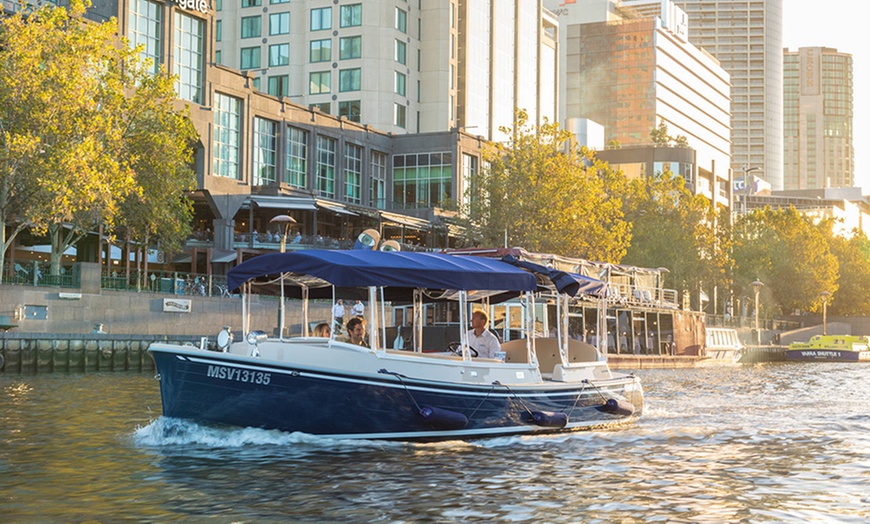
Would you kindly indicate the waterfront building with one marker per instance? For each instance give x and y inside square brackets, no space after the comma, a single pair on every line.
[819,151]
[401,67]
[631,70]
[846,206]
[746,37]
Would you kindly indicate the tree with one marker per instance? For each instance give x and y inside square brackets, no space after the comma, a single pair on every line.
[674,229]
[853,286]
[789,253]
[546,198]
[69,161]
[660,137]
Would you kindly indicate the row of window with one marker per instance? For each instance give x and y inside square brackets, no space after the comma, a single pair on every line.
[227,144]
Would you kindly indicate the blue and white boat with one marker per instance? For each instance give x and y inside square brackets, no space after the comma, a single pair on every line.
[326,387]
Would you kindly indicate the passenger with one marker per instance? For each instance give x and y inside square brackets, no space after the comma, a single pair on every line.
[322,330]
[356,332]
[480,338]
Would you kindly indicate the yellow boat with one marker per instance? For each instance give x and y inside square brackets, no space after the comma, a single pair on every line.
[830,348]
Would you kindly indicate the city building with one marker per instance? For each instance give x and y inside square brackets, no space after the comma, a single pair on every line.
[635,70]
[401,67]
[746,37]
[849,209]
[819,152]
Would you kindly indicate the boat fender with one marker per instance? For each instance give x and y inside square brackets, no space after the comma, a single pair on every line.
[443,418]
[617,407]
[550,419]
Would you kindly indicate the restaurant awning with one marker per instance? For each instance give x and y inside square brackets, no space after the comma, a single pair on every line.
[222,257]
[335,207]
[282,202]
[404,220]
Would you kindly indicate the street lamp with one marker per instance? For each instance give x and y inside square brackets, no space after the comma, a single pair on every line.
[825,295]
[756,286]
[746,184]
[287,221]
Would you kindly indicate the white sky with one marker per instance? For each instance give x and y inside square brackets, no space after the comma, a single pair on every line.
[838,24]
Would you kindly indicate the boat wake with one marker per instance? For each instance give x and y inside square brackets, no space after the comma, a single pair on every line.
[171,432]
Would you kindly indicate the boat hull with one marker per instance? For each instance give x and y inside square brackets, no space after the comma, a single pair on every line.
[227,389]
[826,355]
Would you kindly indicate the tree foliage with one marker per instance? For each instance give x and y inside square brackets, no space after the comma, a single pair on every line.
[76,111]
[853,286]
[788,253]
[675,229]
[546,197]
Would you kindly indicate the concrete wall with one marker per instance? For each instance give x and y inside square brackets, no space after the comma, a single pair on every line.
[73,310]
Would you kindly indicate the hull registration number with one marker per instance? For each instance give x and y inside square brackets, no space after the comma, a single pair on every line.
[239,375]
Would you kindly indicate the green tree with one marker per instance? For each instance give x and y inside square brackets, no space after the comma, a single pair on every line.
[789,253]
[674,229]
[853,287]
[660,137]
[75,108]
[546,197]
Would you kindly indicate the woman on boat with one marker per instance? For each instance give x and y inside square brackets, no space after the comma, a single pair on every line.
[322,330]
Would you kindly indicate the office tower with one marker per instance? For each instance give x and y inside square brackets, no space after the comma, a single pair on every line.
[746,37]
[819,152]
[402,67]
[638,70]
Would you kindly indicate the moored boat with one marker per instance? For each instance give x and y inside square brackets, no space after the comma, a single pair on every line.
[830,348]
[325,386]
[723,347]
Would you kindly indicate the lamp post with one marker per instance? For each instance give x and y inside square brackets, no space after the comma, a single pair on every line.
[825,295]
[756,286]
[286,220]
[746,186]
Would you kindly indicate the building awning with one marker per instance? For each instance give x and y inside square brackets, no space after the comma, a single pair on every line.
[222,257]
[282,202]
[335,207]
[182,259]
[404,220]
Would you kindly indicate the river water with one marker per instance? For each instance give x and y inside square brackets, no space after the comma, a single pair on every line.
[765,443]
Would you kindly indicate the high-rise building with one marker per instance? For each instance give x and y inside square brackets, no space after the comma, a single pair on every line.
[819,152]
[746,37]
[402,67]
[638,70]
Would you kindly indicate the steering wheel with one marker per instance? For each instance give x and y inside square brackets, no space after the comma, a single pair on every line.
[456,348]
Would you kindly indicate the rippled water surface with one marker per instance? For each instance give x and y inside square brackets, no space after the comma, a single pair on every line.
[768,443]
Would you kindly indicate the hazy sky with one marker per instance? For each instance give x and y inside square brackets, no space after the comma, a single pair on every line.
[838,24]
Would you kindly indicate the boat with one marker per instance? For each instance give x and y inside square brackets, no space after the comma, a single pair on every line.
[329,387]
[830,348]
[723,347]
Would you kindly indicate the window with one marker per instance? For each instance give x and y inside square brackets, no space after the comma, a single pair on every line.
[399,115]
[401,20]
[323,107]
[423,179]
[350,47]
[320,50]
[279,24]
[349,80]
[250,58]
[350,110]
[378,181]
[279,55]
[353,173]
[297,157]
[401,52]
[279,85]
[227,116]
[251,26]
[188,54]
[279,1]
[321,19]
[250,3]
[350,15]
[218,30]
[146,29]
[265,151]
[319,82]
[217,57]
[326,166]
[400,84]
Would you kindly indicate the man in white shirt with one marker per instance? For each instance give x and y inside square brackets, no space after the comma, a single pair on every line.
[480,338]
[358,309]
[338,315]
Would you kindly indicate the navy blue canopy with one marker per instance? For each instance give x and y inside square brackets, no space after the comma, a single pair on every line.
[363,268]
[571,284]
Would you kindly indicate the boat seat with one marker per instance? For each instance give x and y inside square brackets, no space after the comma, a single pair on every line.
[515,351]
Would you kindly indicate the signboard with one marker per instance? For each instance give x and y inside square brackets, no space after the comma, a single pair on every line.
[176,305]
[193,5]
[811,70]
